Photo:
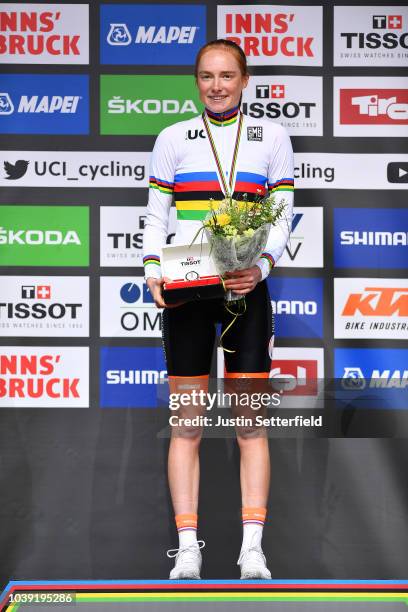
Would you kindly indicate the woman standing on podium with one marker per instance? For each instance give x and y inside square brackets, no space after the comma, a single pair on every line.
[217,154]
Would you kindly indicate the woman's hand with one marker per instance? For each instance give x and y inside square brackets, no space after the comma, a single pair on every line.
[243,281]
[155,286]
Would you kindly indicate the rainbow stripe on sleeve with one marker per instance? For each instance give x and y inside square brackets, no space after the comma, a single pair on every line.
[162,186]
[269,259]
[284,184]
[151,259]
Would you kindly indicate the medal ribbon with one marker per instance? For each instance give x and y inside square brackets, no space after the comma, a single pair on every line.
[227,190]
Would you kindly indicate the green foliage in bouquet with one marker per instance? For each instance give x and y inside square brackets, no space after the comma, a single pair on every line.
[232,218]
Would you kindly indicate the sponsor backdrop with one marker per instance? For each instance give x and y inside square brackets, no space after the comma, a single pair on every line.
[85,90]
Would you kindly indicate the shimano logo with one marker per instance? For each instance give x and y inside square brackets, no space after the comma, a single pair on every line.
[136,377]
[294,307]
[365,238]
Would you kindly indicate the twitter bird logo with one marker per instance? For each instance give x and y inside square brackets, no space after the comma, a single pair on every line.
[17,170]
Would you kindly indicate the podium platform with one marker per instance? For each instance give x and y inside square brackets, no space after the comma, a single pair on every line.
[203,595]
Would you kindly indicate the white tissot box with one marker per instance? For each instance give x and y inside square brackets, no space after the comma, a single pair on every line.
[192,272]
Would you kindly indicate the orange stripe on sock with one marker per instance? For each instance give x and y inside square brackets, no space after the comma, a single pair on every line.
[254,514]
[246,374]
[186,521]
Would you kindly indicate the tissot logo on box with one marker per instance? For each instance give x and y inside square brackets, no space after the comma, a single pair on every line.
[145,104]
[74,169]
[152,34]
[44,104]
[379,376]
[297,304]
[370,36]
[44,236]
[44,33]
[373,238]
[44,306]
[274,35]
[44,377]
[130,377]
[122,234]
[127,309]
[370,106]
[305,246]
[294,102]
[371,308]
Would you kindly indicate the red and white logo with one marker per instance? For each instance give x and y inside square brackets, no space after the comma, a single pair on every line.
[44,33]
[270,35]
[44,377]
[370,106]
[277,91]
[378,106]
[394,22]
[297,376]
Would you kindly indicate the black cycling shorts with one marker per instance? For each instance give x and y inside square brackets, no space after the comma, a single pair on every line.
[189,334]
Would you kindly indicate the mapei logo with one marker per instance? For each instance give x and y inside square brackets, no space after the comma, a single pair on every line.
[6,104]
[148,34]
[119,34]
[44,104]
[374,106]
[374,378]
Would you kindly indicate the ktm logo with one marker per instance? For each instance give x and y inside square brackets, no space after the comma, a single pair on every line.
[378,301]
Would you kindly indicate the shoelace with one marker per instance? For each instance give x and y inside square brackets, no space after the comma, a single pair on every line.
[245,551]
[177,552]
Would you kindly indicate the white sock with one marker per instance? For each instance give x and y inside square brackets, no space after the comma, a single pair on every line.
[252,535]
[187,537]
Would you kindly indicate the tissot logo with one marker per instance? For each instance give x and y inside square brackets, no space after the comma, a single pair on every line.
[52,306]
[363,37]
[296,102]
[383,22]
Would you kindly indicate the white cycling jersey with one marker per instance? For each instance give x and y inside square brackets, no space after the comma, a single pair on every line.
[183,170]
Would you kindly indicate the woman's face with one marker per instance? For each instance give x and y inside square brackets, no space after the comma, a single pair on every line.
[219,80]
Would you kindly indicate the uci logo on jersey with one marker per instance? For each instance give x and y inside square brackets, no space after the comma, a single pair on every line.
[194,134]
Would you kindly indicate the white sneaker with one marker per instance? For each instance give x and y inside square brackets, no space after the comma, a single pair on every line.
[188,561]
[253,564]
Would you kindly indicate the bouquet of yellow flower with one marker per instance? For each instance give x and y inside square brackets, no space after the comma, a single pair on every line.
[238,231]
